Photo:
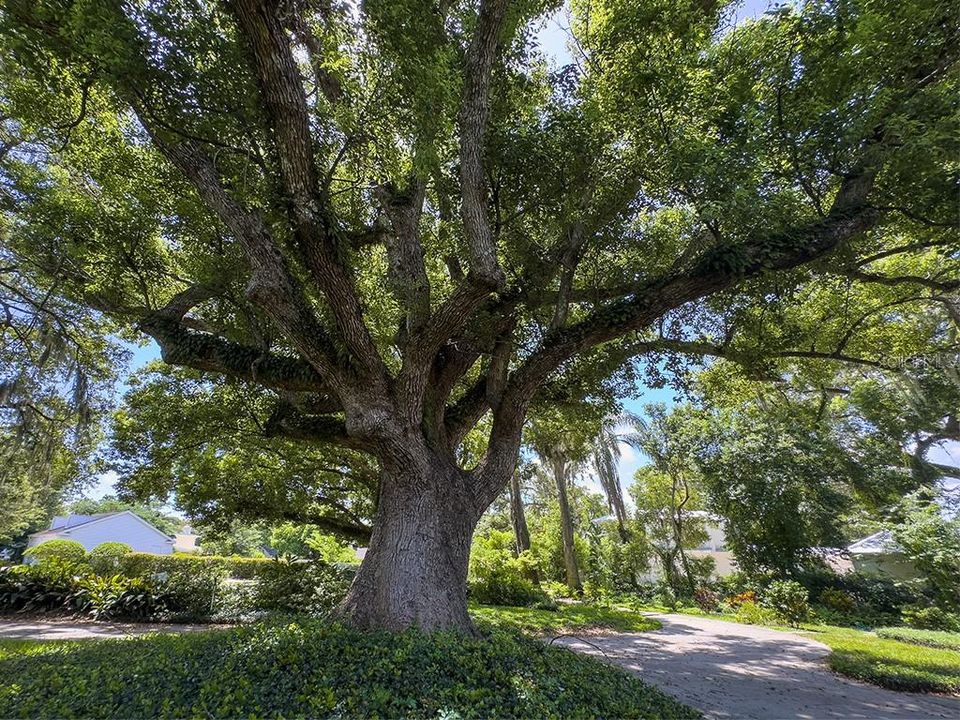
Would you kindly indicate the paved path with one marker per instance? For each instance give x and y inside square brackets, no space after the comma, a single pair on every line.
[73,630]
[728,670]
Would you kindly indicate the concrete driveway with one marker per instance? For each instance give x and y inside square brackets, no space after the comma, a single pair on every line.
[79,630]
[728,670]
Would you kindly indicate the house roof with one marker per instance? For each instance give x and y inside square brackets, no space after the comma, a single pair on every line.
[878,543]
[62,522]
[72,522]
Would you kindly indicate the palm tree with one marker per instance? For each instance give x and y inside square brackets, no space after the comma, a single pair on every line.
[605,457]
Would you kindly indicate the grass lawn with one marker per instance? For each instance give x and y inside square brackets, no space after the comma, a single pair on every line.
[889,663]
[567,618]
[313,669]
[930,638]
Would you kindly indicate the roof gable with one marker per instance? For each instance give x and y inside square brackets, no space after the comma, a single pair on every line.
[102,517]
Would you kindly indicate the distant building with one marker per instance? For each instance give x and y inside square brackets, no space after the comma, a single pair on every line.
[186,541]
[880,555]
[91,530]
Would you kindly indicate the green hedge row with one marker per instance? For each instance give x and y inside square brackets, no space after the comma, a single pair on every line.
[175,587]
[139,564]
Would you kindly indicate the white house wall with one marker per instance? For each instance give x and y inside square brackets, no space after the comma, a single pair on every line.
[120,528]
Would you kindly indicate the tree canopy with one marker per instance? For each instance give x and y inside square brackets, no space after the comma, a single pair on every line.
[400,230]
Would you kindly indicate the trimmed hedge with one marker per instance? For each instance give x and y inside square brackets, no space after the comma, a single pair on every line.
[105,558]
[312,669]
[240,568]
[67,551]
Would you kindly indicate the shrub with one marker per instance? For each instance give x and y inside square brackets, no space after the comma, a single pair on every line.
[505,586]
[312,669]
[751,613]
[49,586]
[190,583]
[120,598]
[877,599]
[839,600]
[927,638]
[747,596]
[240,568]
[706,599]
[788,600]
[65,551]
[105,558]
[930,618]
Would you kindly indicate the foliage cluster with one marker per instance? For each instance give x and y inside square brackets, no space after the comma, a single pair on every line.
[67,551]
[930,618]
[319,670]
[788,600]
[156,587]
[500,577]
[106,557]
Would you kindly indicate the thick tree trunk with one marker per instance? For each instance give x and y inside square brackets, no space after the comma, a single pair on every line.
[566,528]
[415,571]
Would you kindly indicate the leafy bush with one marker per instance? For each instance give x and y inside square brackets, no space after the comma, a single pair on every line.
[497,577]
[788,599]
[504,586]
[120,598]
[751,613]
[927,638]
[145,564]
[313,669]
[747,596]
[706,599]
[49,586]
[930,618]
[839,600]
[877,599]
[105,558]
[64,551]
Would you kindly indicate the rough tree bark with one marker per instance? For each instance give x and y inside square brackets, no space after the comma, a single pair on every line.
[415,571]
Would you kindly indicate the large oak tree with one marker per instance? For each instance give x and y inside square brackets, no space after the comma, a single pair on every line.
[406,230]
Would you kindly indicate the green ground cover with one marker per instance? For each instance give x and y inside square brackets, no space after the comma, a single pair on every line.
[318,670]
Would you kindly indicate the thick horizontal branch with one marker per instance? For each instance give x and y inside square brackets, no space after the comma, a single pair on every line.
[704,348]
[286,421]
[200,351]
